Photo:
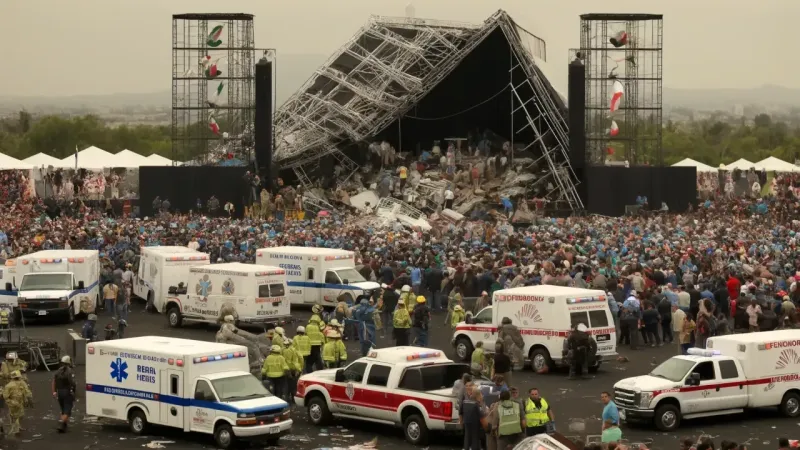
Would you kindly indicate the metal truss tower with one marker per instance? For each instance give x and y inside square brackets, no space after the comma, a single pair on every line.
[213,87]
[622,54]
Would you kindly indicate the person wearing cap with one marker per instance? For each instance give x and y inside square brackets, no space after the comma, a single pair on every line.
[401,322]
[275,369]
[278,337]
[88,332]
[578,351]
[17,395]
[458,316]
[11,364]
[295,363]
[334,352]
[420,320]
[64,387]
[317,340]
[302,344]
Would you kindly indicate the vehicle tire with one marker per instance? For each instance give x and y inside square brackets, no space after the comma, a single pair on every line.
[415,430]
[223,436]
[317,410]
[71,313]
[540,360]
[174,317]
[348,299]
[150,301]
[97,305]
[790,405]
[464,349]
[667,417]
[137,421]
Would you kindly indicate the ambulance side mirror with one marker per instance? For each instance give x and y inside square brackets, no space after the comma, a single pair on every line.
[693,379]
[8,287]
[339,376]
[345,281]
[81,285]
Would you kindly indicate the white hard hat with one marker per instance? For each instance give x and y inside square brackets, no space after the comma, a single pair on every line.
[406,288]
[275,349]
[301,329]
[287,341]
[582,327]
[66,359]
[229,318]
[280,330]
[334,323]
[11,355]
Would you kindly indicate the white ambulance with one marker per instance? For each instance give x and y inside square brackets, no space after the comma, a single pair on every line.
[734,372]
[257,294]
[318,275]
[57,283]
[198,386]
[8,293]
[545,315]
[158,268]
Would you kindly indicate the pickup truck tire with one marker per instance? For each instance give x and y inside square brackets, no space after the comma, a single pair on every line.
[415,430]
[790,405]
[464,349]
[223,436]
[174,317]
[137,421]
[667,417]
[71,314]
[317,410]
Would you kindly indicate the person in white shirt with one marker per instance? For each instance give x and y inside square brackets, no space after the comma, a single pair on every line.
[193,244]
[677,324]
[449,196]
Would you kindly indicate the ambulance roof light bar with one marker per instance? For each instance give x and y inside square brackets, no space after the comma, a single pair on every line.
[187,258]
[703,352]
[338,257]
[271,272]
[212,358]
[423,355]
[585,300]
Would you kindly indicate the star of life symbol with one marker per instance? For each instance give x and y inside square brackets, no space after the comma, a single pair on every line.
[350,391]
[706,394]
[119,370]
[203,286]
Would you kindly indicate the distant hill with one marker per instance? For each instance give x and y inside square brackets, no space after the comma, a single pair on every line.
[714,99]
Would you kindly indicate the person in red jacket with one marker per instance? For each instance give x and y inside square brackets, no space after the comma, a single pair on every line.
[734,287]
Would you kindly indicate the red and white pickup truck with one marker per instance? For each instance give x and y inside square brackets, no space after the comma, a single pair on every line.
[401,386]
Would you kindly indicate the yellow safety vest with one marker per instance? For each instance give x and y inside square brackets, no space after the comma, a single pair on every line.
[303,345]
[275,366]
[536,417]
[3,317]
[314,333]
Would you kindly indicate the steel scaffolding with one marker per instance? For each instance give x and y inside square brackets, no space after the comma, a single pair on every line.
[389,66]
[213,87]
[623,50]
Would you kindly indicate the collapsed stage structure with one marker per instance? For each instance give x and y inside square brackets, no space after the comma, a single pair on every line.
[395,74]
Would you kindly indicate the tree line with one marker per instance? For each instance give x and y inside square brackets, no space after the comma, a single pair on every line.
[710,141]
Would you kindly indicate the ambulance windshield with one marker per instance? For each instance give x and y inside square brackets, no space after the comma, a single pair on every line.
[351,275]
[673,369]
[239,387]
[46,282]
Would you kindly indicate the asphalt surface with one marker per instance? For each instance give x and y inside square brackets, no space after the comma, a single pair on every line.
[576,405]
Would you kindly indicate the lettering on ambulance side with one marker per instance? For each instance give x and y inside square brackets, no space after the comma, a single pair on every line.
[779,344]
[734,384]
[534,331]
[384,400]
[518,298]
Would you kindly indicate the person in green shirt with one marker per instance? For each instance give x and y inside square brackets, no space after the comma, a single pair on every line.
[477,363]
[611,433]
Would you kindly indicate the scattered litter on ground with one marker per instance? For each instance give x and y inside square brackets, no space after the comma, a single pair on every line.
[296,438]
[157,444]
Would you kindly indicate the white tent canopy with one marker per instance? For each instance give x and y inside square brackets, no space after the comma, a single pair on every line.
[89,158]
[741,164]
[129,159]
[42,159]
[158,160]
[9,163]
[773,164]
[689,162]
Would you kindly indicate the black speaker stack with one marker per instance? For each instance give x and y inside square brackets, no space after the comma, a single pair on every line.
[263,132]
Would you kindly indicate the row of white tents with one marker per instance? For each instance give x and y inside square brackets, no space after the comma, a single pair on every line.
[771,164]
[88,158]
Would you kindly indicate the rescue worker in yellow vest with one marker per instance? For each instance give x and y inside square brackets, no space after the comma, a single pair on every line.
[537,414]
[401,321]
[407,297]
[295,363]
[458,316]
[278,337]
[317,340]
[275,370]
[5,325]
[334,352]
[302,344]
[11,364]
[17,395]
[477,363]
[509,422]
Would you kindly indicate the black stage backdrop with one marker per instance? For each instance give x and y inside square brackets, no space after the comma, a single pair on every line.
[610,189]
[183,185]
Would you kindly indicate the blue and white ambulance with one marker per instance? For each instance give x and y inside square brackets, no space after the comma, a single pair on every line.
[197,386]
[318,275]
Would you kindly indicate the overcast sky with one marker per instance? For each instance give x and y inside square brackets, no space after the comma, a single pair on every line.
[68,47]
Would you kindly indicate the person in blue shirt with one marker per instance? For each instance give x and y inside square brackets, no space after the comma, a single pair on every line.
[416,279]
[610,411]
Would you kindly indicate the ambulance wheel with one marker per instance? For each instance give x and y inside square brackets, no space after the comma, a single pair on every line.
[790,405]
[223,436]
[174,317]
[464,348]
[318,412]
[137,421]
[667,417]
[540,360]
[415,430]
[71,313]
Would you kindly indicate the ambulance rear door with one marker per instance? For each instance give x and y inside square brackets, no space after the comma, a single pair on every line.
[596,315]
[271,300]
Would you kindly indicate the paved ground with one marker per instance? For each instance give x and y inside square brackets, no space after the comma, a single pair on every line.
[576,404]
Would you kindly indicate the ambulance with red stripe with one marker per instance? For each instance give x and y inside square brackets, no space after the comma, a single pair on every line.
[734,372]
[409,387]
[544,315]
